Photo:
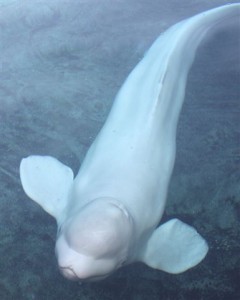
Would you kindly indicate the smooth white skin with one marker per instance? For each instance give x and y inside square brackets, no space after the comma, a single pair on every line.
[131,160]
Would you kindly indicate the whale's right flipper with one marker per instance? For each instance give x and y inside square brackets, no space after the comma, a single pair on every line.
[46,181]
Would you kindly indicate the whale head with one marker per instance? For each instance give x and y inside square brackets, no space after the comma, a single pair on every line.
[94,242]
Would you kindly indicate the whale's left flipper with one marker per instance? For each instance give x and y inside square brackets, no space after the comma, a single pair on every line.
[174,247]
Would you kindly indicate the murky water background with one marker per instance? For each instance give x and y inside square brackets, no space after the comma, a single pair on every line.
[61,64]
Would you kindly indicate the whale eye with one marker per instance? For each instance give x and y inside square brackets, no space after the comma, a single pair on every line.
[59,230]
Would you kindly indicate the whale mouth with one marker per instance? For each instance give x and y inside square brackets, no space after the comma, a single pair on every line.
[69,273]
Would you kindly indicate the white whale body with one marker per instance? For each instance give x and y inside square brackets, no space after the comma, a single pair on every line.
[108,215]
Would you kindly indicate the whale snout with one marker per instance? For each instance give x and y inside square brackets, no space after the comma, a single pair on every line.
[80,267]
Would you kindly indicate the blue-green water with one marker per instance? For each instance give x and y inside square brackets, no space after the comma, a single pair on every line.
[61,64]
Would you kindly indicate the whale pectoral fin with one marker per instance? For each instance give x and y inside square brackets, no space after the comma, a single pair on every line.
[174,247]
[46,181]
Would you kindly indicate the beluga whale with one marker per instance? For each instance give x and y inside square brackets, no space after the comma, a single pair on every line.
[108,216]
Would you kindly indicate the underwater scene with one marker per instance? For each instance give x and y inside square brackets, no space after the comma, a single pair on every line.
[135,224]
